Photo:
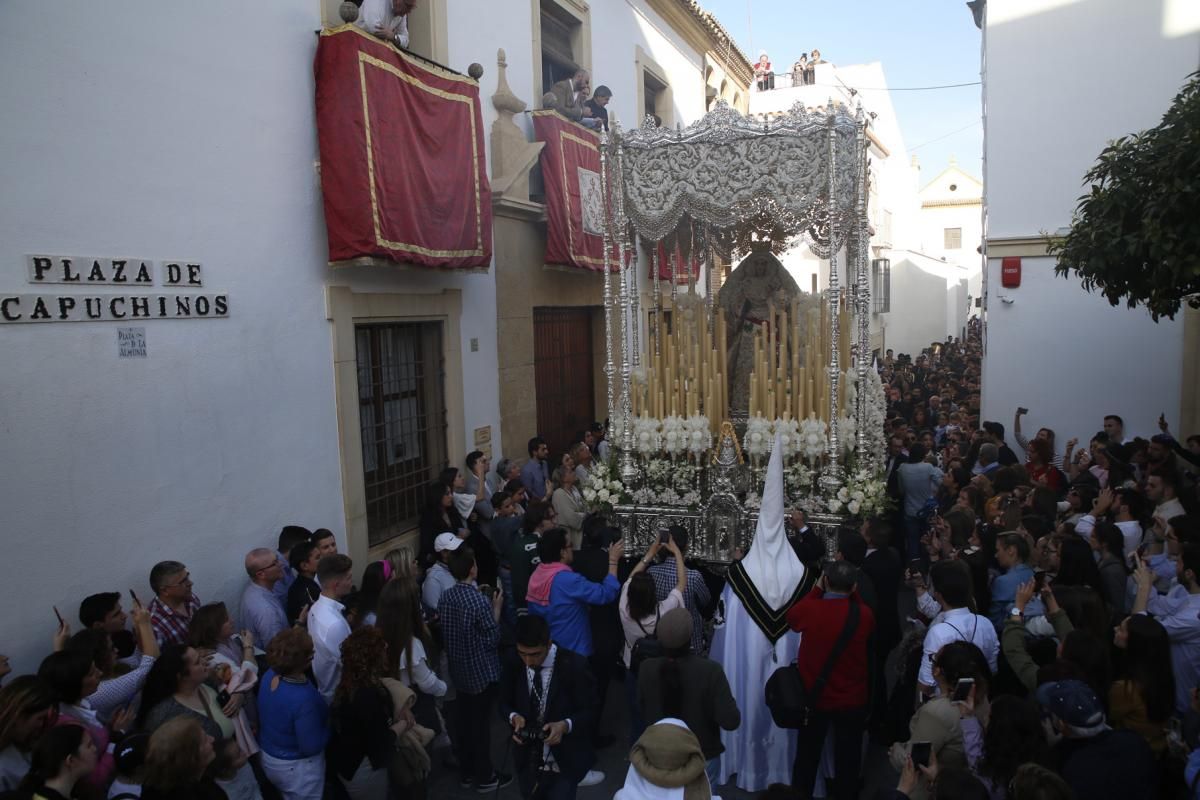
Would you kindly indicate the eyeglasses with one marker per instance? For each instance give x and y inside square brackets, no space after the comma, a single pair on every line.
[185,581]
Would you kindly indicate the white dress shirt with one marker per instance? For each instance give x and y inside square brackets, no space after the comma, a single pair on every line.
[328,629]
[546,675]
[375,14]
[958,625]
[1130,529]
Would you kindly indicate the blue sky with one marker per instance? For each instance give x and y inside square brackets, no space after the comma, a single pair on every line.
[920,43]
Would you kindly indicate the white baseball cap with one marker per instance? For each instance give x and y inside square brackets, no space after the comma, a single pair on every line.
[446,541]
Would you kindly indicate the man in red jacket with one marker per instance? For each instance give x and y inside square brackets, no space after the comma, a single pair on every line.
[842,703]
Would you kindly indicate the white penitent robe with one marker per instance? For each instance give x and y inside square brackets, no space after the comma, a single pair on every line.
[758,752]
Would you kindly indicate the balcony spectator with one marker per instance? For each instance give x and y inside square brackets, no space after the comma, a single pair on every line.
[800,71]
[387,19]
[764,78]
[595,108]
[568,98]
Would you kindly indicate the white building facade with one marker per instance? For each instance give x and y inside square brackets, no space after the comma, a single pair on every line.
[206,436]
[1068,355]
[922,289]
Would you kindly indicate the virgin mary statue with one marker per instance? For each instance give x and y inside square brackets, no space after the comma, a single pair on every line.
[757,283]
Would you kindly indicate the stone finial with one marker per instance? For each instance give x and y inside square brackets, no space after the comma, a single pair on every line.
[504,99]
[513,155]
[348,11]
[475,70]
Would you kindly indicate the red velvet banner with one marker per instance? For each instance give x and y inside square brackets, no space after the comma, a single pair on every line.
[403,167]
[681,264]
[574,196]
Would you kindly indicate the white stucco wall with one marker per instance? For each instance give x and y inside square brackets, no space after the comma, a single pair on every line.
[120,139]
[1067,355]
[928,302]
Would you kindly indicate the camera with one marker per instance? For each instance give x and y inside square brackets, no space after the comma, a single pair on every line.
[531,735]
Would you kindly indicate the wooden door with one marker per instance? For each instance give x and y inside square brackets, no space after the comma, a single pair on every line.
[563,377]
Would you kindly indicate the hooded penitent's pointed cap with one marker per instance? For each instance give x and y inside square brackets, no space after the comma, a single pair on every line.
[772,565]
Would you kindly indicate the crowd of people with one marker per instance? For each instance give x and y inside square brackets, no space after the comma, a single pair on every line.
[1030,631]
[574,98]
[803,71]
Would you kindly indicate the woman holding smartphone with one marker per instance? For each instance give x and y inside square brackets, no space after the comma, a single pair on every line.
[962,673]
[640,611]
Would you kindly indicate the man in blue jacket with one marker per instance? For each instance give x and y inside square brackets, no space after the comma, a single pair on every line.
[562,596]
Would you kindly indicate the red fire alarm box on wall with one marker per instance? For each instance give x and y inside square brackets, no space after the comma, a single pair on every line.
[1010,273]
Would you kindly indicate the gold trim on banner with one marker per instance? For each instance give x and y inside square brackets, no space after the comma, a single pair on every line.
[363,60]
[430,66]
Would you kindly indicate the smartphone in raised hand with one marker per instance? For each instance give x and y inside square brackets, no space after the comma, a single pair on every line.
[962,690]
[920,753]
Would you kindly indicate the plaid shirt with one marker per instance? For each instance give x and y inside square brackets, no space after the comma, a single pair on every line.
[171,627]
[695,595]
[471,637]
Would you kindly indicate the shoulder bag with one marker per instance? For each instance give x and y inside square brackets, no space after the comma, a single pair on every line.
[645,648]
[790,701]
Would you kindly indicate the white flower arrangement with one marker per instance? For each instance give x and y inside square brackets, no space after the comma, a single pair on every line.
[647,436]
[788,431]
[814,437]
[753,500]
[863,494]
[757,441]
[847,432]
[698,435]
[602,489]
[674,435]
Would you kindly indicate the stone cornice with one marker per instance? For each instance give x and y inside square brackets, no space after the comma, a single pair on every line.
[705,32]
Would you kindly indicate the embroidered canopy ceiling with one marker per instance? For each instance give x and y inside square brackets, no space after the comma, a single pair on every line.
[803,173]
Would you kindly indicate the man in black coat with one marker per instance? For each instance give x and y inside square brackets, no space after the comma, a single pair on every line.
[548,691]
[883,566]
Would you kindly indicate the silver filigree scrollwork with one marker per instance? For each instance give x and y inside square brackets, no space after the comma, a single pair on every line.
[609,199]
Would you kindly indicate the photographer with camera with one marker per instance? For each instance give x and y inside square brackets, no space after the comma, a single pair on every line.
[547,697]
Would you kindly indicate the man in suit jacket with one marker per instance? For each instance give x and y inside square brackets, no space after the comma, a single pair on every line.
[549,688]
[571,94]
[885,570]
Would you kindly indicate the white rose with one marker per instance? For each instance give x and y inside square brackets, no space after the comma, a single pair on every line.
[853,507]
[603,496]
[843,494]
[835,506]
[614,486]
[589,495]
